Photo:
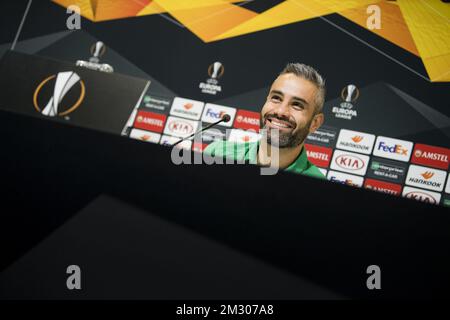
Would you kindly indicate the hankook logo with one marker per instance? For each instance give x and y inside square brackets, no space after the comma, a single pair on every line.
[65,81]
[427,175]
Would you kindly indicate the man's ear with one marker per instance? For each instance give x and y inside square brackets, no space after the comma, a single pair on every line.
[316,122]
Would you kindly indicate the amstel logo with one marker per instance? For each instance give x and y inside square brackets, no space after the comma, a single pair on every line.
[418,153]
[57,105]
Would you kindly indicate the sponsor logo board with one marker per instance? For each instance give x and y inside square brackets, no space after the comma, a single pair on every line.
[146,136]
[349,162]
[179,127]
[355,141]
[325,136]
[382,186]
[425,177]
[446,201]
[214,112]
[213,134]
[150,121]
[247,120]
[168,141]
[187,108]
[388,170]
[243,136]
[447,187]
[319,156]
[421,195]
[431,156]
[157,103]
[344,178]
[395,149]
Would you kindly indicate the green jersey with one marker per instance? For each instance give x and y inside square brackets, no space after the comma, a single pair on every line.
[248,152]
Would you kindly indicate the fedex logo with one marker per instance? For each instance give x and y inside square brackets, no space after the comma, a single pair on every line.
[215,115]
[393,149]
[343,178]
[214,112]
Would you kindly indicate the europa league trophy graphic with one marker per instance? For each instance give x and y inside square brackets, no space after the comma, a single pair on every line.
[349,95]
[215,72]
[97,51]
[64,82]
[216,69]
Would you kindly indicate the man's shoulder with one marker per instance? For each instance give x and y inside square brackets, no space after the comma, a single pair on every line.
[312,171]
[223,148]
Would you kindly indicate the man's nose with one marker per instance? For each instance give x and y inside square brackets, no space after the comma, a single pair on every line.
[283,109]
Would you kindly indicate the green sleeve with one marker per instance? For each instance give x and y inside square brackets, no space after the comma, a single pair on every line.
[215,148]
[314,172]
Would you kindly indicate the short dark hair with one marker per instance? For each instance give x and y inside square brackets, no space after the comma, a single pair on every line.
[309,73]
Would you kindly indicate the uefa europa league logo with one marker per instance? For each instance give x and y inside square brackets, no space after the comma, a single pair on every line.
[215,72]
[98,49]
[349,96]
[65,81]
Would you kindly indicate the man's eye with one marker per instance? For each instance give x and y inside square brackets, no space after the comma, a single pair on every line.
[276,98]
[298,106]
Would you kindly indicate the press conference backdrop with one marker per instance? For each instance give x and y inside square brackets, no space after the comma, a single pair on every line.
[344,155]
[387,126]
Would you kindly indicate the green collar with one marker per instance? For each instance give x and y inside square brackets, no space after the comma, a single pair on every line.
[299,165]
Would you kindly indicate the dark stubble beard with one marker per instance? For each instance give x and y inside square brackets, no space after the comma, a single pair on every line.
[286,139]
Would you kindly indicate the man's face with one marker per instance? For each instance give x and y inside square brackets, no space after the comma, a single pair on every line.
[290,108]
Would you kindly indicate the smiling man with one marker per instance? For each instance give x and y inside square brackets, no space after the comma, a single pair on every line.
[293,110]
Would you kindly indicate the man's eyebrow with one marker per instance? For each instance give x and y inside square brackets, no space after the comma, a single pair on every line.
[293,98]
[300,99]
[277,92]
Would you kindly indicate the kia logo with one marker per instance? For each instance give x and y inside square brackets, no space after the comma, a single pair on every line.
[420,196]
[180,127]
[349,162]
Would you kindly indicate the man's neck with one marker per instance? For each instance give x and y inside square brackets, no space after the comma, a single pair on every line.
[286,156]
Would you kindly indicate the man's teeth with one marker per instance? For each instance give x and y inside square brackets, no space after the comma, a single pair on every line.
[279,124]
